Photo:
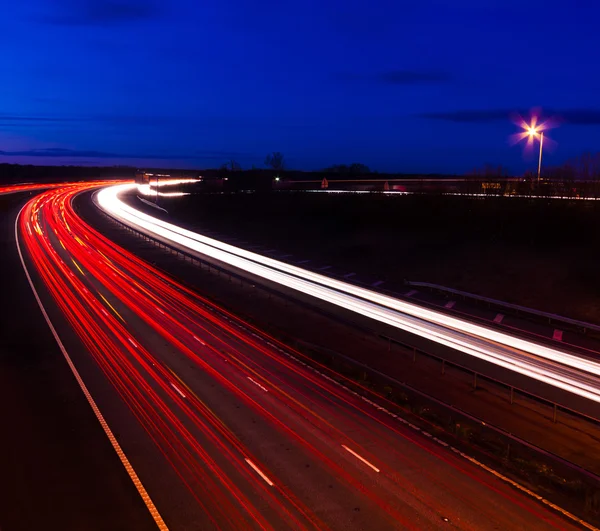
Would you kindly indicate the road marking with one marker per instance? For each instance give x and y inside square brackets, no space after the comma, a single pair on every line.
[349,275]
[269,251]
[360,457]
[557,336]
[498,318]
[323,268]
[160,523]
[77,266]
[177,389]
[256,383]
[378,283]
[285,256]
[198,339]
[259,472]
[474,461]
[111,307]
[303,262]
[132,342]
[438,441]
[450,304]
[411,293]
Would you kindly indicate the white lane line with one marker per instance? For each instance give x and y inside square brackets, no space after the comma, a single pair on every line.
[323,268]
[303,262]
[199,340]
[259,472]
[498,318]
[378,283]
[256,383]
[557,336]
[158,520]
[474,461]
[349,275]
[360,457]
[177,389]
[450,304]
[411,293]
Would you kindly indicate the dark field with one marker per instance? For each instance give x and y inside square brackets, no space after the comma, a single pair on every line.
[539,253]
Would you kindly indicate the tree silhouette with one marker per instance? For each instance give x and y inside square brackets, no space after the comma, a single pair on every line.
[231,165]
[275,160]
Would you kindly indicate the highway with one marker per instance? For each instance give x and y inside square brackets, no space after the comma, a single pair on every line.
[219,425]
[573,373]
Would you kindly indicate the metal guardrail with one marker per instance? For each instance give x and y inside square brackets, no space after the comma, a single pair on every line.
[462,412]
[523,309]
[444,362]
[556,407]
[564,465]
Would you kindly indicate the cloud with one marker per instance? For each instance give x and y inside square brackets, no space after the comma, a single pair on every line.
[56,152]
[570,116]
[7,118]
[470,116]
[115,120]
[71,153]
[100,12]
[409,77]
[400,77]
[580,116]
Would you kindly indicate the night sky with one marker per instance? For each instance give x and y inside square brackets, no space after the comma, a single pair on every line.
[413,86]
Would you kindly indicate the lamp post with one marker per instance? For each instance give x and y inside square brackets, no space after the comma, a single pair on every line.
[533,132]
[540,160]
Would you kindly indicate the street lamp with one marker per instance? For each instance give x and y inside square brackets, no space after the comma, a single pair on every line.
[533,132]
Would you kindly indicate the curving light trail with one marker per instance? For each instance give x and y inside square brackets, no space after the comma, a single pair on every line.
[163,348]
[566,371]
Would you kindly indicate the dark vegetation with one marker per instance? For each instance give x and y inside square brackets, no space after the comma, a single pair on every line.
[535,252]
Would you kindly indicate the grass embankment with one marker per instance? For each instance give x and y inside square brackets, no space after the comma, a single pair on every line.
[539,253]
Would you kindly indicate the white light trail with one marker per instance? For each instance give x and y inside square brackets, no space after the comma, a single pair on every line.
[558,368]
[150,188]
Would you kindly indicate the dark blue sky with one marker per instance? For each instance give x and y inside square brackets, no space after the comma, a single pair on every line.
[413,86]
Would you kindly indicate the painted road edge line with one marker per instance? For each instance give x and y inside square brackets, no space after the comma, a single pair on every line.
[360,458]
[500,476]
[257,384]
[179,391]
[259,472]
[160,523]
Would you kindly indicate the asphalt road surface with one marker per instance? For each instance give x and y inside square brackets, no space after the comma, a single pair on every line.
[222,426]
[57,468]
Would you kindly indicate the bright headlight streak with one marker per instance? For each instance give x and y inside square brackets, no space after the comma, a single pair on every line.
[542,363]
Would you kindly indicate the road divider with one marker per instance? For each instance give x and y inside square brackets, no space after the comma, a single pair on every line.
[564,370]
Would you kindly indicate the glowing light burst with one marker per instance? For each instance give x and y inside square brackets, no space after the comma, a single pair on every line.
[532,131]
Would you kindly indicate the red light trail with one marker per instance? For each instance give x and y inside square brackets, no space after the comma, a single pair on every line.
[255,438]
